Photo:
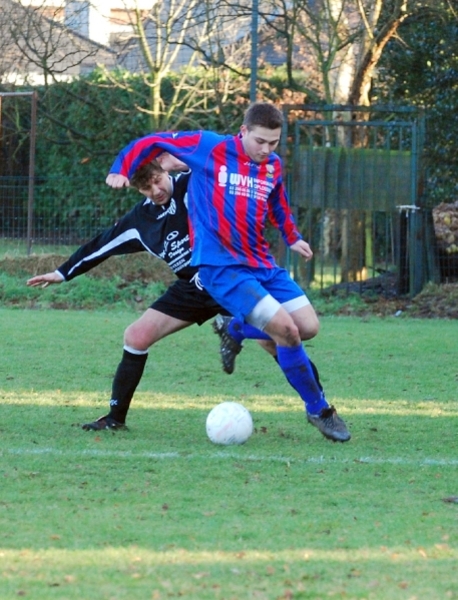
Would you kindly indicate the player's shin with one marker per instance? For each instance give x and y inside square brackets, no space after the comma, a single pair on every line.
[298,370]
[315,372]
[240,331]
[125,382]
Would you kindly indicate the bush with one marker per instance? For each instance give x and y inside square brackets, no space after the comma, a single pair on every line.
[133,280]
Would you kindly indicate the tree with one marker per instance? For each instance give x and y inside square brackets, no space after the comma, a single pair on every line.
[39,50]
[420,67]
[186,39]
[344,41]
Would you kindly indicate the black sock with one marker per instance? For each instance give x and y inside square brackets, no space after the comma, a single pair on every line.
[315,373]
[125,382]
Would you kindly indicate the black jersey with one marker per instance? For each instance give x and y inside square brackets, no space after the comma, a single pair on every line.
[163,231]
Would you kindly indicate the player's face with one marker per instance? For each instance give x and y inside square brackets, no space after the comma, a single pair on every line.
[259,142]
[159,190]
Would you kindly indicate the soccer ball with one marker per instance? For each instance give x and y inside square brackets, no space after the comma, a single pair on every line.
[229,423]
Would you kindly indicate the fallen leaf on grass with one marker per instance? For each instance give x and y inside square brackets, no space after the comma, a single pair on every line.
[200,575]
[270,570]
[442,547]
[354,573]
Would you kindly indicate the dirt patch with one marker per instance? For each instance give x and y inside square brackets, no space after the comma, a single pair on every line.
[434,302]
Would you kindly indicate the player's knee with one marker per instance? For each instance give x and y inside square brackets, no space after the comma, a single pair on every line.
[290,335]
[310,329]
[136,337]
[283,330]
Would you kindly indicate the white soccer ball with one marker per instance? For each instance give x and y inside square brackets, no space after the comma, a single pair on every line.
[229,423]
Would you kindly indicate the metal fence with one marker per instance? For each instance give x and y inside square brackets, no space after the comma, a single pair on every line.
[59,216]
[384,238]
[356,183]
[359,189]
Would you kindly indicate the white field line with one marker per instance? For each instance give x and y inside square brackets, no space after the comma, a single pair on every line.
[227,455]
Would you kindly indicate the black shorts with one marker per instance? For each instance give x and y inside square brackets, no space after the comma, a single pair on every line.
[185,301]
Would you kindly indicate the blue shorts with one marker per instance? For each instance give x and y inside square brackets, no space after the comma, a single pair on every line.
[252,294]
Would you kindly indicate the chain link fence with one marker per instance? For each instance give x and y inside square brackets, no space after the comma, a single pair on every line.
[57,223]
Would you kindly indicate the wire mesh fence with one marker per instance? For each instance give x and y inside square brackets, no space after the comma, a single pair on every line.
[59,215]
[390,245]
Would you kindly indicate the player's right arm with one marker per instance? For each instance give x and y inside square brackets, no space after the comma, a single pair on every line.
[117,181]
[191,147]
[165,159]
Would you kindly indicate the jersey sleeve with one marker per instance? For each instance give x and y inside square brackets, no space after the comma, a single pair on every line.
[122,238]
[280,215]
[182,145]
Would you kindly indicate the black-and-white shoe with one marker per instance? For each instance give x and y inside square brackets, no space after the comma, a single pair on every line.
[330,425]
[229,347]
[105,422]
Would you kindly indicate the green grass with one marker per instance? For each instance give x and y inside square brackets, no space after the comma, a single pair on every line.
[158,512]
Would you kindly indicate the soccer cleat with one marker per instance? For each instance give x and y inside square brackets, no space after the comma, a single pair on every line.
[330,425]
[103,423]
[229,347]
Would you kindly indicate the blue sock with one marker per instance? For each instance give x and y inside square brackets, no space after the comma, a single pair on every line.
[297,369]
[241,331]
[315,373]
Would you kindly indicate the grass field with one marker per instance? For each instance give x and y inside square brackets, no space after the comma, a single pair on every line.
[158,512]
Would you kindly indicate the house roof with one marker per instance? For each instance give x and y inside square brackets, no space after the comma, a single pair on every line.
[31,44]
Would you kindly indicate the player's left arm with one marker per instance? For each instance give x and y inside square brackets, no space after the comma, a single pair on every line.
[303,248]
[280,215]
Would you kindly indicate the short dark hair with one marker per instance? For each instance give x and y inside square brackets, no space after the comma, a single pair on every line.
[263,114]
[142,176]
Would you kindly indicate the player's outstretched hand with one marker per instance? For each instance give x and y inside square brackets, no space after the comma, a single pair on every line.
[115,180]
[45,279]
[302,248]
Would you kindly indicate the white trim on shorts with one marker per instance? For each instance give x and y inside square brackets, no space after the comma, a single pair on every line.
[296,303]
[266,308]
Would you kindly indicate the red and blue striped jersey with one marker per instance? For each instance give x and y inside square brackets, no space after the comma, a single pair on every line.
[229,195]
